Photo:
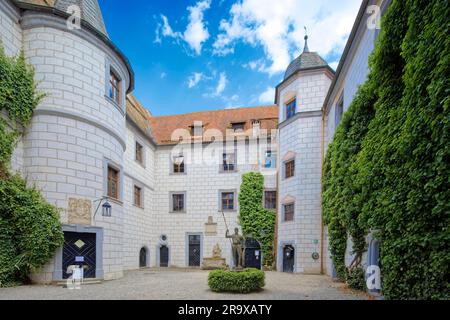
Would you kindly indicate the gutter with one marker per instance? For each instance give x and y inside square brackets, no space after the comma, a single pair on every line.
[89,27]
[361,13]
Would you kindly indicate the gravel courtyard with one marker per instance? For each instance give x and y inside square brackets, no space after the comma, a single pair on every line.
[151,284]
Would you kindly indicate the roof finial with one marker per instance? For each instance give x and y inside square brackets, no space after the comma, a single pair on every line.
[306,49]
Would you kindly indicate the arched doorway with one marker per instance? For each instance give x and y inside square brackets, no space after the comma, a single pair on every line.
[143,258]
[288,258]
[252,257]
[163,256]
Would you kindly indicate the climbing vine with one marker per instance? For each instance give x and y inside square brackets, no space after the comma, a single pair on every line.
[254,219]
[387,168]
[30,231]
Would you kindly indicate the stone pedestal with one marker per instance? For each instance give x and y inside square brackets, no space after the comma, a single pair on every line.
[216,262]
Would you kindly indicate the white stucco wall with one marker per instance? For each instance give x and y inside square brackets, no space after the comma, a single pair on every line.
[139,223]
[201,183]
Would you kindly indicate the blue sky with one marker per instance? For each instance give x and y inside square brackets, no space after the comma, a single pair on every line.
[199,55]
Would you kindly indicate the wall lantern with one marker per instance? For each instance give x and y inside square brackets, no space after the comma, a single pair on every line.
[106,209]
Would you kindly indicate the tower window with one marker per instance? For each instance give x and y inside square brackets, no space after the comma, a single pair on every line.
[291,109]
[114,88]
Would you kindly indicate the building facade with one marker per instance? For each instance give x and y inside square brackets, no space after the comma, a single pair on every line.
[172,182]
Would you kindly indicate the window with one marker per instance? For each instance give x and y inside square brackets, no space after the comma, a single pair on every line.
[113,183]
[197,129]
[229,162]
[291,109]
[270,200]
[178,164]
[178,203]
[114,88]
[139,153]
[270,159]
[289,169]
[289,212]
[238,127]
[227,200]
[138,196]
[339,111]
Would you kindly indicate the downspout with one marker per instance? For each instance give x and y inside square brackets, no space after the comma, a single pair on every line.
[321,195]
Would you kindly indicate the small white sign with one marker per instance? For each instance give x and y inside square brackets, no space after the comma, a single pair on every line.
[79,259]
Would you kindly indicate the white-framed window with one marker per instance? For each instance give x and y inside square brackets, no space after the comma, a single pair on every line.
[178,164]
[289,169]
[270,199]
[288,212]
[113,180]
[177,202]
[291,108]
[138,196]
[270,159]
[139,153]
[228,162]
[227,200]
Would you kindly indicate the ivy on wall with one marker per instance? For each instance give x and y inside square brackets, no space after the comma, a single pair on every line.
[30,231]
[254,219]
[388,167]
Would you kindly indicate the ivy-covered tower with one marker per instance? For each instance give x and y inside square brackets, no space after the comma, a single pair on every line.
[300,98]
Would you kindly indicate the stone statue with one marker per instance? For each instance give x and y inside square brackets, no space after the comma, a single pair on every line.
[217,252]
[237,247]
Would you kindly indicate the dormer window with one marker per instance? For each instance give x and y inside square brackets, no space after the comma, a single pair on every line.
[238,126]
[197,129]
[114,88]
[291,108]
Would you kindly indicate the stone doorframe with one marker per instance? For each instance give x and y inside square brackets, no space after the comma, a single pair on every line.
[186,248]
[58,272]
[158,260]
[281,246]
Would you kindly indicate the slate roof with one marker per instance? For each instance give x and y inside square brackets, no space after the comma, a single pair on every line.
[307,60]
[90,10]
[164,126]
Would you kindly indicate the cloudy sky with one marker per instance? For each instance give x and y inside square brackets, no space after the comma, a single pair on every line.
[198,55]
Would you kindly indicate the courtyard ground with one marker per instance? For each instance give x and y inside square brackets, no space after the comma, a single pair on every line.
[179,284]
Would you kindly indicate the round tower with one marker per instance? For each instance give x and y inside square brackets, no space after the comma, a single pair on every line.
[300,97]
[73,149]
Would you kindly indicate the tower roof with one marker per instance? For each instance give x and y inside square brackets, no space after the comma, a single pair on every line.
[90,10]
[306,60]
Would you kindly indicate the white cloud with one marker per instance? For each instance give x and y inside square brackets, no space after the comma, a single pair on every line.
[279,28]
[267,96]
[334,64]
[196,32]
[194,79]
[163,75]
[221,85]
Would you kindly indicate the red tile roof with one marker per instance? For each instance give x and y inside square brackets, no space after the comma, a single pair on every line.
[164,126]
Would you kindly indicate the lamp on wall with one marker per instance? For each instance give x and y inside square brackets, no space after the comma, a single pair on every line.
[106,207]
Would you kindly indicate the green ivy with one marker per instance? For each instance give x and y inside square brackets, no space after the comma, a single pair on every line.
[254,219]
[388,167]
[30,231]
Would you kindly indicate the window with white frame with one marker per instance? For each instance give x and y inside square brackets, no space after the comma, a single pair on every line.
[178,164]
[178,202]
[228,162]
[227,200]
[288,212]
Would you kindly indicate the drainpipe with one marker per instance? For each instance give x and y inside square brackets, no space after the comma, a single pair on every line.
[321,194]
